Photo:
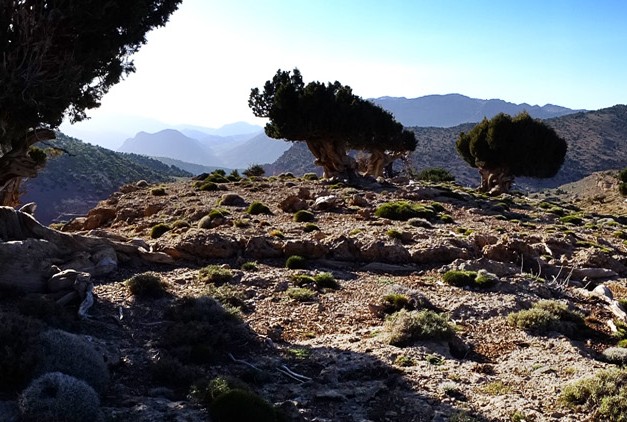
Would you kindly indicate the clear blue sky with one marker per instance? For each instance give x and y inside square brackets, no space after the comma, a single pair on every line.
[200,68]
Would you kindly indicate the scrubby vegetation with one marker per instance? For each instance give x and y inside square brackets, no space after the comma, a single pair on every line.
[469,278]
[295,262]
[215,274]
[435,174]
[303,216]
[548,315]
[605,395]
[146,285]
[159,230]
[257,207]
[404,327]
[404,210]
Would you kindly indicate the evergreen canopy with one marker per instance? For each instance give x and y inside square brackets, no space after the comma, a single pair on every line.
[326,114]
[58,59]
[522,146]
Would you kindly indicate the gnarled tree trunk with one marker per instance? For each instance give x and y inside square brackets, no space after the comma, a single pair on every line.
[16,164]
[495,181]
[333,159]
[379,160]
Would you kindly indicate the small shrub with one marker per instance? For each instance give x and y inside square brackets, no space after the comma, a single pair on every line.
[216,178]
[254,170]
[435,174]
[310,176]
[205,392]
[446,218]
[159,230]
[394,302]
[300,294]
[73,355]
[310,227]
[404,327]
[461,278]
[295,262]
[394,234]
[241,223]
[403,211]
[622,188]
[301,280]
[496,388]
[548,315]
[18,353]
[303,216]
[404,361]
[257,207]
[573,219]
[234,176]
[326,281]
[59,397]
[215,274]
[249,266]
[276,233]
[179,224]
[616,355]
[207,186]
[170,371]
[160,191]
[241,405]
[604,394]
[146,285]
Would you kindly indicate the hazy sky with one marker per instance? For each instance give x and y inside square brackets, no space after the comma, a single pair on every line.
[199,69]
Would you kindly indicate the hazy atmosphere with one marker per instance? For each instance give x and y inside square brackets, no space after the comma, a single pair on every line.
[199,69]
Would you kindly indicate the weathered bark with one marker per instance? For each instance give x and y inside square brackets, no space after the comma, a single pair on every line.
[16,164]
[30,253]
[379,160]
[495,181]
[333,159]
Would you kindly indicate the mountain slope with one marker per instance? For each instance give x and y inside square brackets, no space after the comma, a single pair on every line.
[454,109]
[72,184]
[258,150]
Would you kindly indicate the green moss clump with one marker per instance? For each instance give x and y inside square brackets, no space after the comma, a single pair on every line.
[296,262]
[304,216]
[257,207]
[404,327]
[146,285]
[404,210]
[249,266]
[435,175]
[394,302]
[326,281]
[159,230]
[460,278]
[215,274]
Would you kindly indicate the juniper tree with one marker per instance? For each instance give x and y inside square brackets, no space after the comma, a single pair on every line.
[58,59]
[504,147]
[331,120]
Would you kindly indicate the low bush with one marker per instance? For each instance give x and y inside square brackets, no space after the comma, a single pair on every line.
[304,216]
[241,405]
[215,274]
[295,262]
[300,294]
[257,207]
[310,227]
[461,278]
[18,353]
[310,176]
[573,219]
[73,355]
[207,186]
[59,397]
[326,281]
[604,395]
[249,266]
[170,371]
[254,170]
[404,327]
[159,191]
[146,285]
[159,230]
[404,210]
[394,302]
[435,174]
[546,316]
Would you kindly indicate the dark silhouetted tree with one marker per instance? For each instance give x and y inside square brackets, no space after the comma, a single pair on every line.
[504,147]
[58,59]
[331,120]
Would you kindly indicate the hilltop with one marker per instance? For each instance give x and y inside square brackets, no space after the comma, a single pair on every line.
[327,352]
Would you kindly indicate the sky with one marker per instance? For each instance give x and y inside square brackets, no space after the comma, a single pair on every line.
[199,68]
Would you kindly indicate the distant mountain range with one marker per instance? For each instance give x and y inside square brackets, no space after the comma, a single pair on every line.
[235,151]
[597,141]
[455,109]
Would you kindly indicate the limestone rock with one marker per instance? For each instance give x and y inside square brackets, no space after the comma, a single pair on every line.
[292,204]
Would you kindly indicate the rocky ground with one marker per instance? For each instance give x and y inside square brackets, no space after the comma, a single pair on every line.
[327,356]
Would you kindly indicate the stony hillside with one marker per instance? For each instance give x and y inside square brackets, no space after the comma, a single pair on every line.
[71,184]
[597,141]
[371,324]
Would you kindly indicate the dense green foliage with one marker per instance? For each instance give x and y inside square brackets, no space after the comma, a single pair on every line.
[328,114]
[522,145]
[404,210]
[58,59]
[435,174]
[604,394]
